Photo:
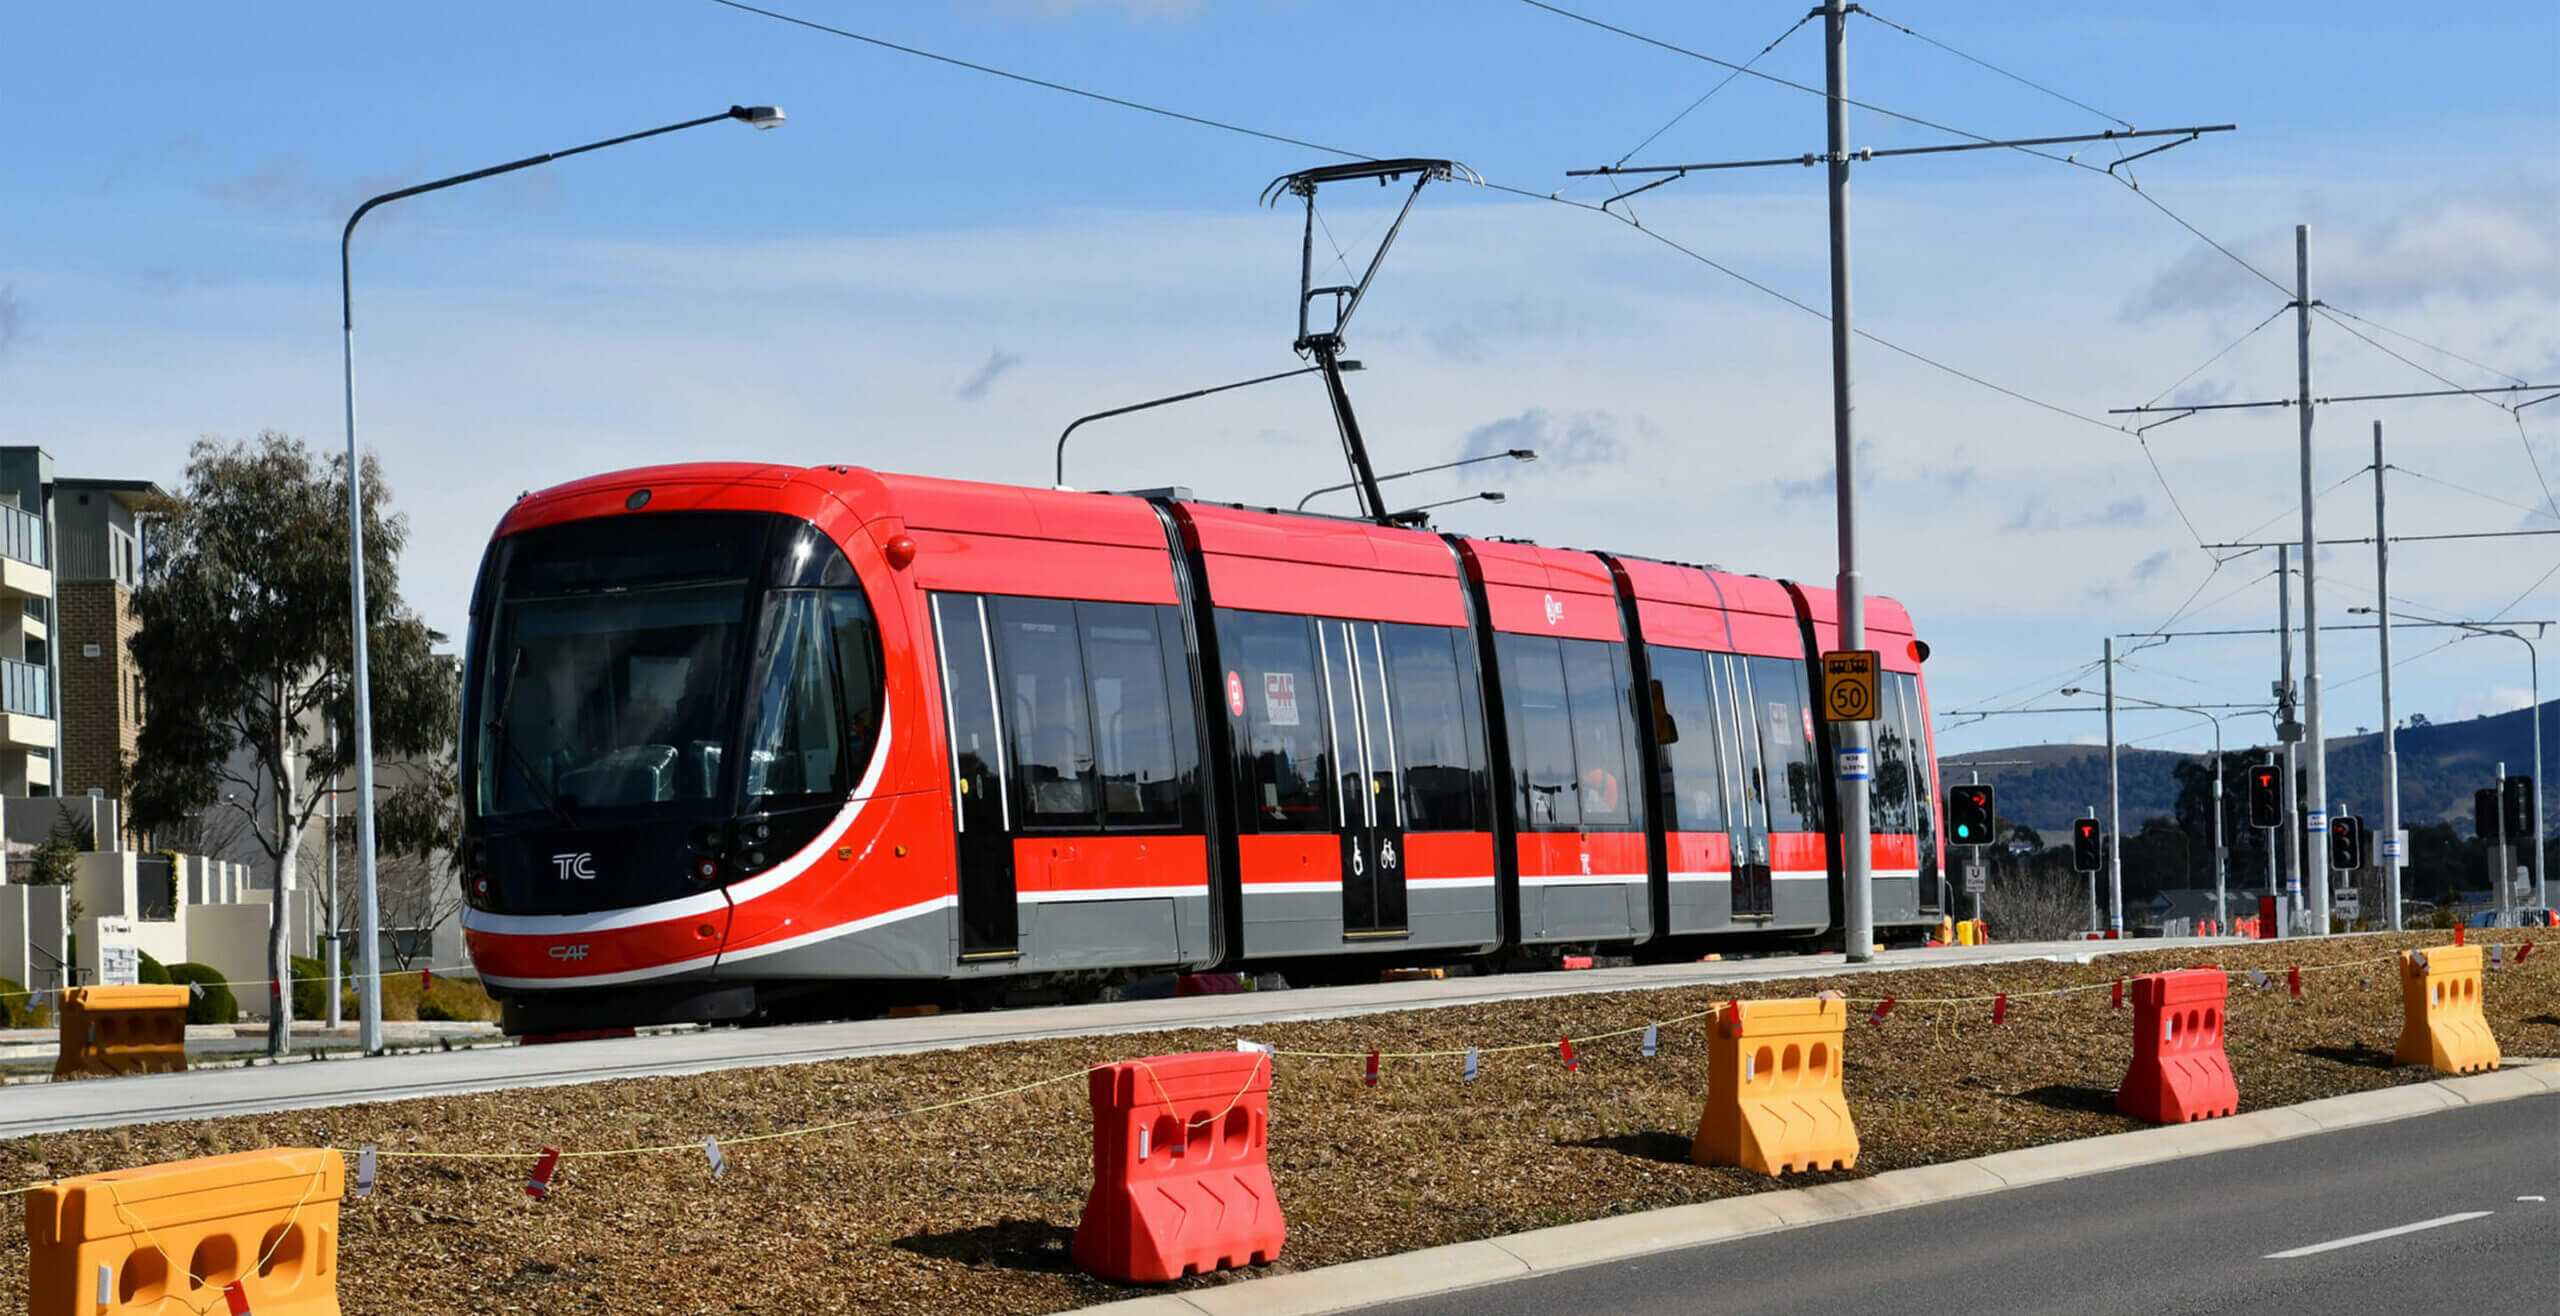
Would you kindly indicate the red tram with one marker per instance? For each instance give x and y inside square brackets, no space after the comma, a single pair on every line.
[746,741]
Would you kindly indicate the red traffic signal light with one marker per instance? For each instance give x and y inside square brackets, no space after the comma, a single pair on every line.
[2345,849]
[2088,855]
[1969,815]
[2266,798]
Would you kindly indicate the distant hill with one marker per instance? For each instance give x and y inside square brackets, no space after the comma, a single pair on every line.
[2441,764]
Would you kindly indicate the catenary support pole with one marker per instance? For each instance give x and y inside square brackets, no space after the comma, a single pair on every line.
[2391,856]
[2289,908]
[2315,786]
[1851,738]
[2269,840]
[2115,806]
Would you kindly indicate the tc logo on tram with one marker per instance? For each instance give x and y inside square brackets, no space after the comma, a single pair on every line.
[581,866]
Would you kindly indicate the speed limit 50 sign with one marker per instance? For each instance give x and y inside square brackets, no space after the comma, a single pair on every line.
[1849,685]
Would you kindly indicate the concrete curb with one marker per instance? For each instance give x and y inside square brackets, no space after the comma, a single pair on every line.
[1593,1242]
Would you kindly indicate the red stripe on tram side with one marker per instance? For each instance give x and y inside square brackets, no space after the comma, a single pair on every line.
[1064,865]
[1274,858]
[1699,852]
[1434,856]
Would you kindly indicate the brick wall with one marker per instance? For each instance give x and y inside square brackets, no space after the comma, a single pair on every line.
[101,711]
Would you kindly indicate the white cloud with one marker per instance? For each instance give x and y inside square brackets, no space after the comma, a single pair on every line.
[2495,699]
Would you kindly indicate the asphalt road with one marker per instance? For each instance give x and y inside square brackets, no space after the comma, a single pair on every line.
[2458,1211]
[27,1109]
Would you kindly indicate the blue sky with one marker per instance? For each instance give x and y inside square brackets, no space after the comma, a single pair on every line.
[930,269]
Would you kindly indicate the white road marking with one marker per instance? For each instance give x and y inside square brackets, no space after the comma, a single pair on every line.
[2529,1199]
[2336,1243]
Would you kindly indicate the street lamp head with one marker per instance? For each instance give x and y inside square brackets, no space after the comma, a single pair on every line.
[1349,367]
[1524,454]
[1492,495]
[759,117]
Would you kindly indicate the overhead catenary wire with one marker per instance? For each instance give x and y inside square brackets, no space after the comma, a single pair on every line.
[2446,351]
[2462,489]
[2228,348]
[1863,11]
[1551,197]
[1725,82]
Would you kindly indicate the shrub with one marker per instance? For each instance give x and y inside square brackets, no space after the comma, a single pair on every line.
[217,1005]
[458,1000]
[311,991]
[152,973]
[13,1005]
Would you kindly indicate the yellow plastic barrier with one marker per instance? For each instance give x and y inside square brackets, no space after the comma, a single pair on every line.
[1773,1089]
[1964,933]
[173,1237]
[122,1030]
[2441,1024]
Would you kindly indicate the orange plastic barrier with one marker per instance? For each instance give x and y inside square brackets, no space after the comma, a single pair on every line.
[122,1030]
[173,1237]
[2179,1070]
[2441,1024]
[1180,1180]
[1773,1089]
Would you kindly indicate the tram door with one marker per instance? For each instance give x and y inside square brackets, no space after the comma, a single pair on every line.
[989,927]
[1364,756]
[1747,797]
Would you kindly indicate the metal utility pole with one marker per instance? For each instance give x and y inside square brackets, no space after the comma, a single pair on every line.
[2289,734]
[2391,856]
[1856,854]
[1852,739]
[2115,807]
[2315,784]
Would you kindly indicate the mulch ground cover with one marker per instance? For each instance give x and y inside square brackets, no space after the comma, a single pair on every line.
[928,1194]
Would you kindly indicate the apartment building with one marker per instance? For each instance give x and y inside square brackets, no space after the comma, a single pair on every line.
[98,534]
[30,732]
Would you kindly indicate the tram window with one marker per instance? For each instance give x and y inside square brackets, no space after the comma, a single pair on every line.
[1891,799]
[1595,677]
[1924,770]
[1795,783]
[1271,661]
[1692,771]
[1132,715]
[858,671]
[1544,789]
[1434,739]
[796,747]
[1045,714]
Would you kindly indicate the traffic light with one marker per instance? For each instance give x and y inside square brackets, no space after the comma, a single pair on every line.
[1969,815]
[2484,813]
[2342,843]
[2087,855]
[2519,808]
[2266,796]
[2364,844]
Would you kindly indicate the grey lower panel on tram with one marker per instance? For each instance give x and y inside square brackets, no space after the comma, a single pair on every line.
[1144,932]
[1800,902]
[1442,915]
[1584,911]
[1702,904]
[1897,899]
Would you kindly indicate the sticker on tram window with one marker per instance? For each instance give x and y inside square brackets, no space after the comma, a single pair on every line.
[1779,723]
[1235,694]
[1280,698]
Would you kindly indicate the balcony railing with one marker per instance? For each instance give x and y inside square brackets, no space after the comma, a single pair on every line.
[23,688]
[22,535]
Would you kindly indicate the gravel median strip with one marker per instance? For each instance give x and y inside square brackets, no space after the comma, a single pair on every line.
[952,1181]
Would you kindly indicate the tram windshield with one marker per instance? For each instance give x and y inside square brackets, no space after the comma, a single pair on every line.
[668,666]
[610,663]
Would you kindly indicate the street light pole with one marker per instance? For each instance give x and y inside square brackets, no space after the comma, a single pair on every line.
[2533,674]
[1514,454]
[1061,480]
[2115,807]
[2221,889]
[369,954]
[2391,856]
[1850,742]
